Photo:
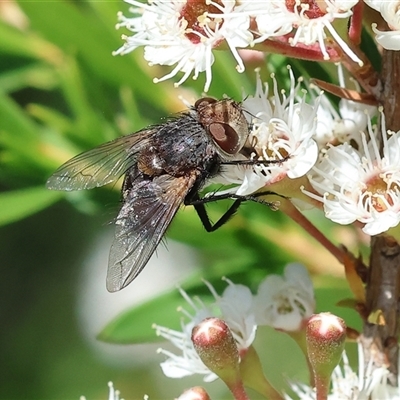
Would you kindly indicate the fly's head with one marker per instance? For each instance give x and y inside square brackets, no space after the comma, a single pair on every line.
[225,124]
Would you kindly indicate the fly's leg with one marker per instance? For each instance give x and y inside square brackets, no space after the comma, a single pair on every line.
[198,203]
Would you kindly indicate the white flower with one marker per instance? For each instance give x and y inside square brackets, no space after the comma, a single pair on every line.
[234,307]
[184,34]
[189,363]
[390,40]
[281,126]
[353,120]
[327,120]
[285,302]
[112,393]
[375,4]
[271,17]
[347,123]
[369,384]
[312,21]
[390,11]
[309,19]
[361,186]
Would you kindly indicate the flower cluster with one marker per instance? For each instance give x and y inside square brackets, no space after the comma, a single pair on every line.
[337,151]
[361,185]
[185,33]
[309,20]
[281,302]
[281,125]
[346,123]
[291,136]
[287,304]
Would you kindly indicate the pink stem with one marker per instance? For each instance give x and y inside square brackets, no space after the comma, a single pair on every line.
[322,387]
[281,45]
[238,391]
[298,217]
[356,23]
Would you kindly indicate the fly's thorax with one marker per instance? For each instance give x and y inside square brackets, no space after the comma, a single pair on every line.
[178,147]
[224,123]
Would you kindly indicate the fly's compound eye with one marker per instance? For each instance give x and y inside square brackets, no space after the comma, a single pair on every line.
[225,137]
[203,102]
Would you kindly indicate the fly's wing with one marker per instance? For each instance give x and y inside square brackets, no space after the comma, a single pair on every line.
[101,165]
[145,216]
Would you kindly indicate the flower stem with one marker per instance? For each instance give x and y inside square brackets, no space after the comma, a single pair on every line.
[300,339]
[253,376]
[365,75]
[356,23]
[238,391]
[322,388]
[281,45]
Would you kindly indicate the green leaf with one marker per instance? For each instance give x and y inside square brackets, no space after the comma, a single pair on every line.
[19,204]
[92,40]
[34,75]
[348,303]
[135,324]
[14,119]
[19,43]
[52,118]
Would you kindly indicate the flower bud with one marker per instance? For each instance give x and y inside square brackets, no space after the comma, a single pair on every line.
[325,337]
[194,393]
[216,347]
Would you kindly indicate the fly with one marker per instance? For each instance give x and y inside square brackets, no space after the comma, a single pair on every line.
[165,166]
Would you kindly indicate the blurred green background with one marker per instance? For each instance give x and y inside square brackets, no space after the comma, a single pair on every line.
[62,92]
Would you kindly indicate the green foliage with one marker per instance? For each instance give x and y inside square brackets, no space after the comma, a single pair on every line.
[17,204]
[124,329]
